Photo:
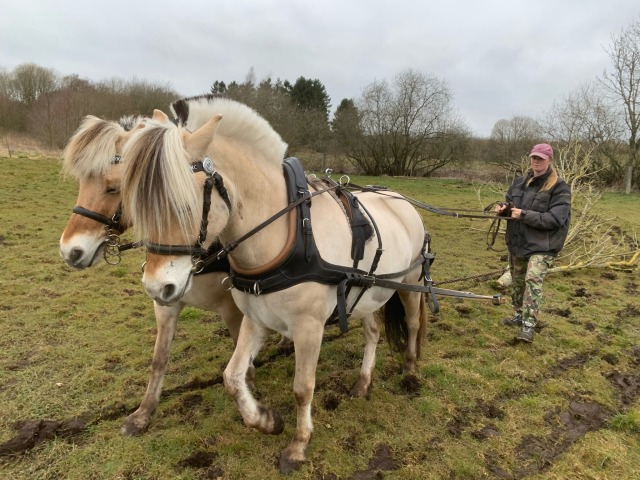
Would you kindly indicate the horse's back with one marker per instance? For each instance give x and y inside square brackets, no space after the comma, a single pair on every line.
[399,224]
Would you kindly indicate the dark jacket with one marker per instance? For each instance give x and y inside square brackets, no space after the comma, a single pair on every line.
[545,216]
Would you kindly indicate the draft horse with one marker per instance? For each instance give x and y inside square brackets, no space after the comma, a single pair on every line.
[168,169]
[93,156]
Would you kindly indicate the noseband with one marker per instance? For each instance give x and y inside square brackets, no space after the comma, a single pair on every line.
[197,251]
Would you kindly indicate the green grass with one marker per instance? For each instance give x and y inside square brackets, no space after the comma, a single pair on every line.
[76,343]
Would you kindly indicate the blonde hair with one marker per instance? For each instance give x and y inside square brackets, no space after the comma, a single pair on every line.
[549,183]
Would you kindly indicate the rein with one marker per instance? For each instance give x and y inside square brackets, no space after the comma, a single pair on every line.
[485,213]
[348,276]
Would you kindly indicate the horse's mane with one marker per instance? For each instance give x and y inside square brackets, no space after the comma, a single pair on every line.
[158,185]
[239,121]
[92,148]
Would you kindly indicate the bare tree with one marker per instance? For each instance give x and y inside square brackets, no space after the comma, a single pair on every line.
[31,81]
[512,139]
[408,127]
[587,117]
[623,83]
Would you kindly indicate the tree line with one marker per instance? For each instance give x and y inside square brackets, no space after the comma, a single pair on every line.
[405,125]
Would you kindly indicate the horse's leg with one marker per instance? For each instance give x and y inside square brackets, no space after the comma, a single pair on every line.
[415,318]
[371,324]
[255,415]
[232,317]
[306,343]
[166,320]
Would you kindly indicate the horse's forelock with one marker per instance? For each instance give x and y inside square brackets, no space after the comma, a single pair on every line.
[129,122]
[180,110]
[159,191]
[92,148]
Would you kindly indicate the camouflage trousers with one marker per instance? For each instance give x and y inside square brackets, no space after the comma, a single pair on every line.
[527,276]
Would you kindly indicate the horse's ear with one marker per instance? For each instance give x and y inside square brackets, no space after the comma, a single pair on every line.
[159,116]
[197,143]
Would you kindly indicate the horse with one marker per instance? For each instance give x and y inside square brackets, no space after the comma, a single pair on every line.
[168,169]
[93,156]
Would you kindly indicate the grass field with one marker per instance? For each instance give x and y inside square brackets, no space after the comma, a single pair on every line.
[75,351]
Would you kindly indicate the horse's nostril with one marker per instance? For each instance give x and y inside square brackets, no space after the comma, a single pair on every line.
[168,291]
[76,255]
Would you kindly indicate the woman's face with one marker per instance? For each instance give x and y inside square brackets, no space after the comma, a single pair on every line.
[539,165]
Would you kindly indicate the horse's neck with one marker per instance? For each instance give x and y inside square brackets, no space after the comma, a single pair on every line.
[257,193]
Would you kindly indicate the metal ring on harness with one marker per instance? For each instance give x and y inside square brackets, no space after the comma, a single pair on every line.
[111,252]
[197,264]
[230,284]
[345,183]
[142,266]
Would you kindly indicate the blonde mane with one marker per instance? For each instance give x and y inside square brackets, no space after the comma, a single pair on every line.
[158,185]
[239,121]
[92,148]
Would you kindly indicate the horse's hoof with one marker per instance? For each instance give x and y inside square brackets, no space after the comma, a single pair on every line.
[130,429]
[288,465]
[278,424]
[360,391]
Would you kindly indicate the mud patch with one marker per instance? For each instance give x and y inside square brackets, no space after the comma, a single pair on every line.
[195,384]
[610,358]
[609,275]
[331,401]
[463,310]
[200,459]
[411,385]
[627,386]
[381,461]
[485,432]
[582,293]
[631,288]
[635,355]
[576,361]
[561,312]
[537,453]
[628,311]
[203,461]
[34,432]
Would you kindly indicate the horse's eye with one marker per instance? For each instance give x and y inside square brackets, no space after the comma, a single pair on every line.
[112,190]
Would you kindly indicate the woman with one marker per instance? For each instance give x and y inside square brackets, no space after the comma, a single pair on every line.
[540,201]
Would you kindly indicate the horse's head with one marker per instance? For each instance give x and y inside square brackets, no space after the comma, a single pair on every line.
[94,157]
[163,197]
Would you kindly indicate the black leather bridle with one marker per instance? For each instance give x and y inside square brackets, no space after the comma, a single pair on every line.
[197,251]
[113,226]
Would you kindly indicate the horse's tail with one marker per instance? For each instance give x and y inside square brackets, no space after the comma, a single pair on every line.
[395,324]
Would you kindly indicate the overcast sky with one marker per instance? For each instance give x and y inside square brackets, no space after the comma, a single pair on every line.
[501,58]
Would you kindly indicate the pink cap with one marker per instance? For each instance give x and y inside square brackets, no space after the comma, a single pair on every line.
[542,150]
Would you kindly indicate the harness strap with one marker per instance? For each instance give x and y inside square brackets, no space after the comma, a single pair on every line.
[225,250]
